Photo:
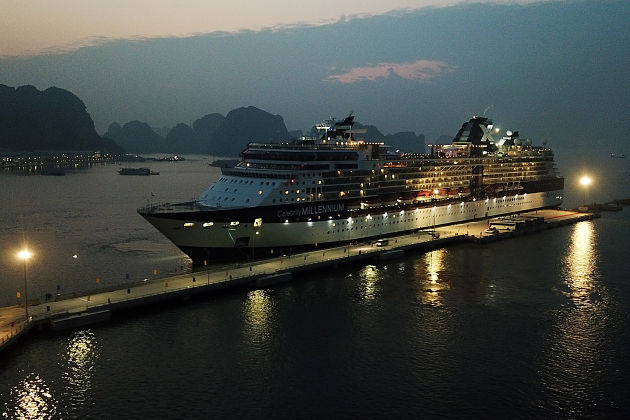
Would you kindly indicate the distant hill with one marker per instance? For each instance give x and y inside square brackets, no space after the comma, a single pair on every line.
[181,139]
[205,127]
[406,141]
[245,125]
[136,137]
[139,137]
[52,119]
[227,136]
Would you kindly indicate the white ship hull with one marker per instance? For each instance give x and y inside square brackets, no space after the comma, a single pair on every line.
[218,240]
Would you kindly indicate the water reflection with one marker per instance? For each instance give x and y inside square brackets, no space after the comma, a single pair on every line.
[580,263]
[370,276]
[257,313]
[80,356]
[434,284]
[31,399]
[574,350]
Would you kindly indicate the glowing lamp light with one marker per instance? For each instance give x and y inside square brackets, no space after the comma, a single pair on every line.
[586,180]
[25,254]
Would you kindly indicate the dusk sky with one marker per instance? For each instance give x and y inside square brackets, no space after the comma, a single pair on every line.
[557,70]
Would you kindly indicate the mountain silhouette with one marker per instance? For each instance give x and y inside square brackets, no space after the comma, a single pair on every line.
[136,137]
[245,125]
[53,119]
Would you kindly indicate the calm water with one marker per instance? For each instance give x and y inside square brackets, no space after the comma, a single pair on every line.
[533,327]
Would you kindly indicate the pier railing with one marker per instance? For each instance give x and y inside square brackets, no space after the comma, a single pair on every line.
[15,328]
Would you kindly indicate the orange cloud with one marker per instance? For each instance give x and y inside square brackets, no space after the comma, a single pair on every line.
[418,70]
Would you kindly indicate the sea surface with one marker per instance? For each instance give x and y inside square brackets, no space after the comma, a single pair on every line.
[532,327]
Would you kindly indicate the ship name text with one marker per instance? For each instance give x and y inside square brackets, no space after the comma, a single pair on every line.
[312,210]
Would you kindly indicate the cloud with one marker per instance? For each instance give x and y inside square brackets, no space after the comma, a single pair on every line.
[421,70]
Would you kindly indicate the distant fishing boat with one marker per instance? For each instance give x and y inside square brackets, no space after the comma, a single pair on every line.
[618,155]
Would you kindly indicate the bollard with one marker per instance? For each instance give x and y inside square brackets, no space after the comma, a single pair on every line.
[128,291]
[250,269]
[194,279]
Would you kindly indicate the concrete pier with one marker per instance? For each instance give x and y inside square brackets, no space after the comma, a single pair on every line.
[99,306]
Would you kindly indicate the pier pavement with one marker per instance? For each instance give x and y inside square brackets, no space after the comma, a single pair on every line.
[261,273]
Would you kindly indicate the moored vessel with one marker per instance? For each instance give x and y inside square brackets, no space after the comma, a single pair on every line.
[334,188]
[137,171]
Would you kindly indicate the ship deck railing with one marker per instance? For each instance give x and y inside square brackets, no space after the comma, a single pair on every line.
[154,208]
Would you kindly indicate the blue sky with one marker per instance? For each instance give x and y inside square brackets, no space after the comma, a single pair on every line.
[557,70]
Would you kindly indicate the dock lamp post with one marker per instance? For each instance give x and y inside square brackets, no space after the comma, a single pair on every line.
[435,192]
[585,181]
[24,255]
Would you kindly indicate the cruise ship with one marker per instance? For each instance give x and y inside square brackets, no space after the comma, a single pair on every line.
[334,188]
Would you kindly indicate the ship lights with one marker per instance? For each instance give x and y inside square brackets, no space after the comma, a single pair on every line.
[189,224]
[208,224]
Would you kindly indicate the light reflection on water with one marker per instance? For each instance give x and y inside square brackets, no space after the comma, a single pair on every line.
[576,343]
[31,399]
[80,359]
[580,263]
[257,312]
[435,284]
[369,277]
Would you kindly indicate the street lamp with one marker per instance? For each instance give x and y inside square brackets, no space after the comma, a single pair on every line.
[24,255]
[435,192]
[585,181]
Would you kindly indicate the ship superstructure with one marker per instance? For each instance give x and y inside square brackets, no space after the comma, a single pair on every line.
[334,188]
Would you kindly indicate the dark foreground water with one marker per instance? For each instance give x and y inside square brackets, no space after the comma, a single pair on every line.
[535,327]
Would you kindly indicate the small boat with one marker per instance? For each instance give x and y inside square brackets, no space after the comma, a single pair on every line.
[617,155]
[134,171]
